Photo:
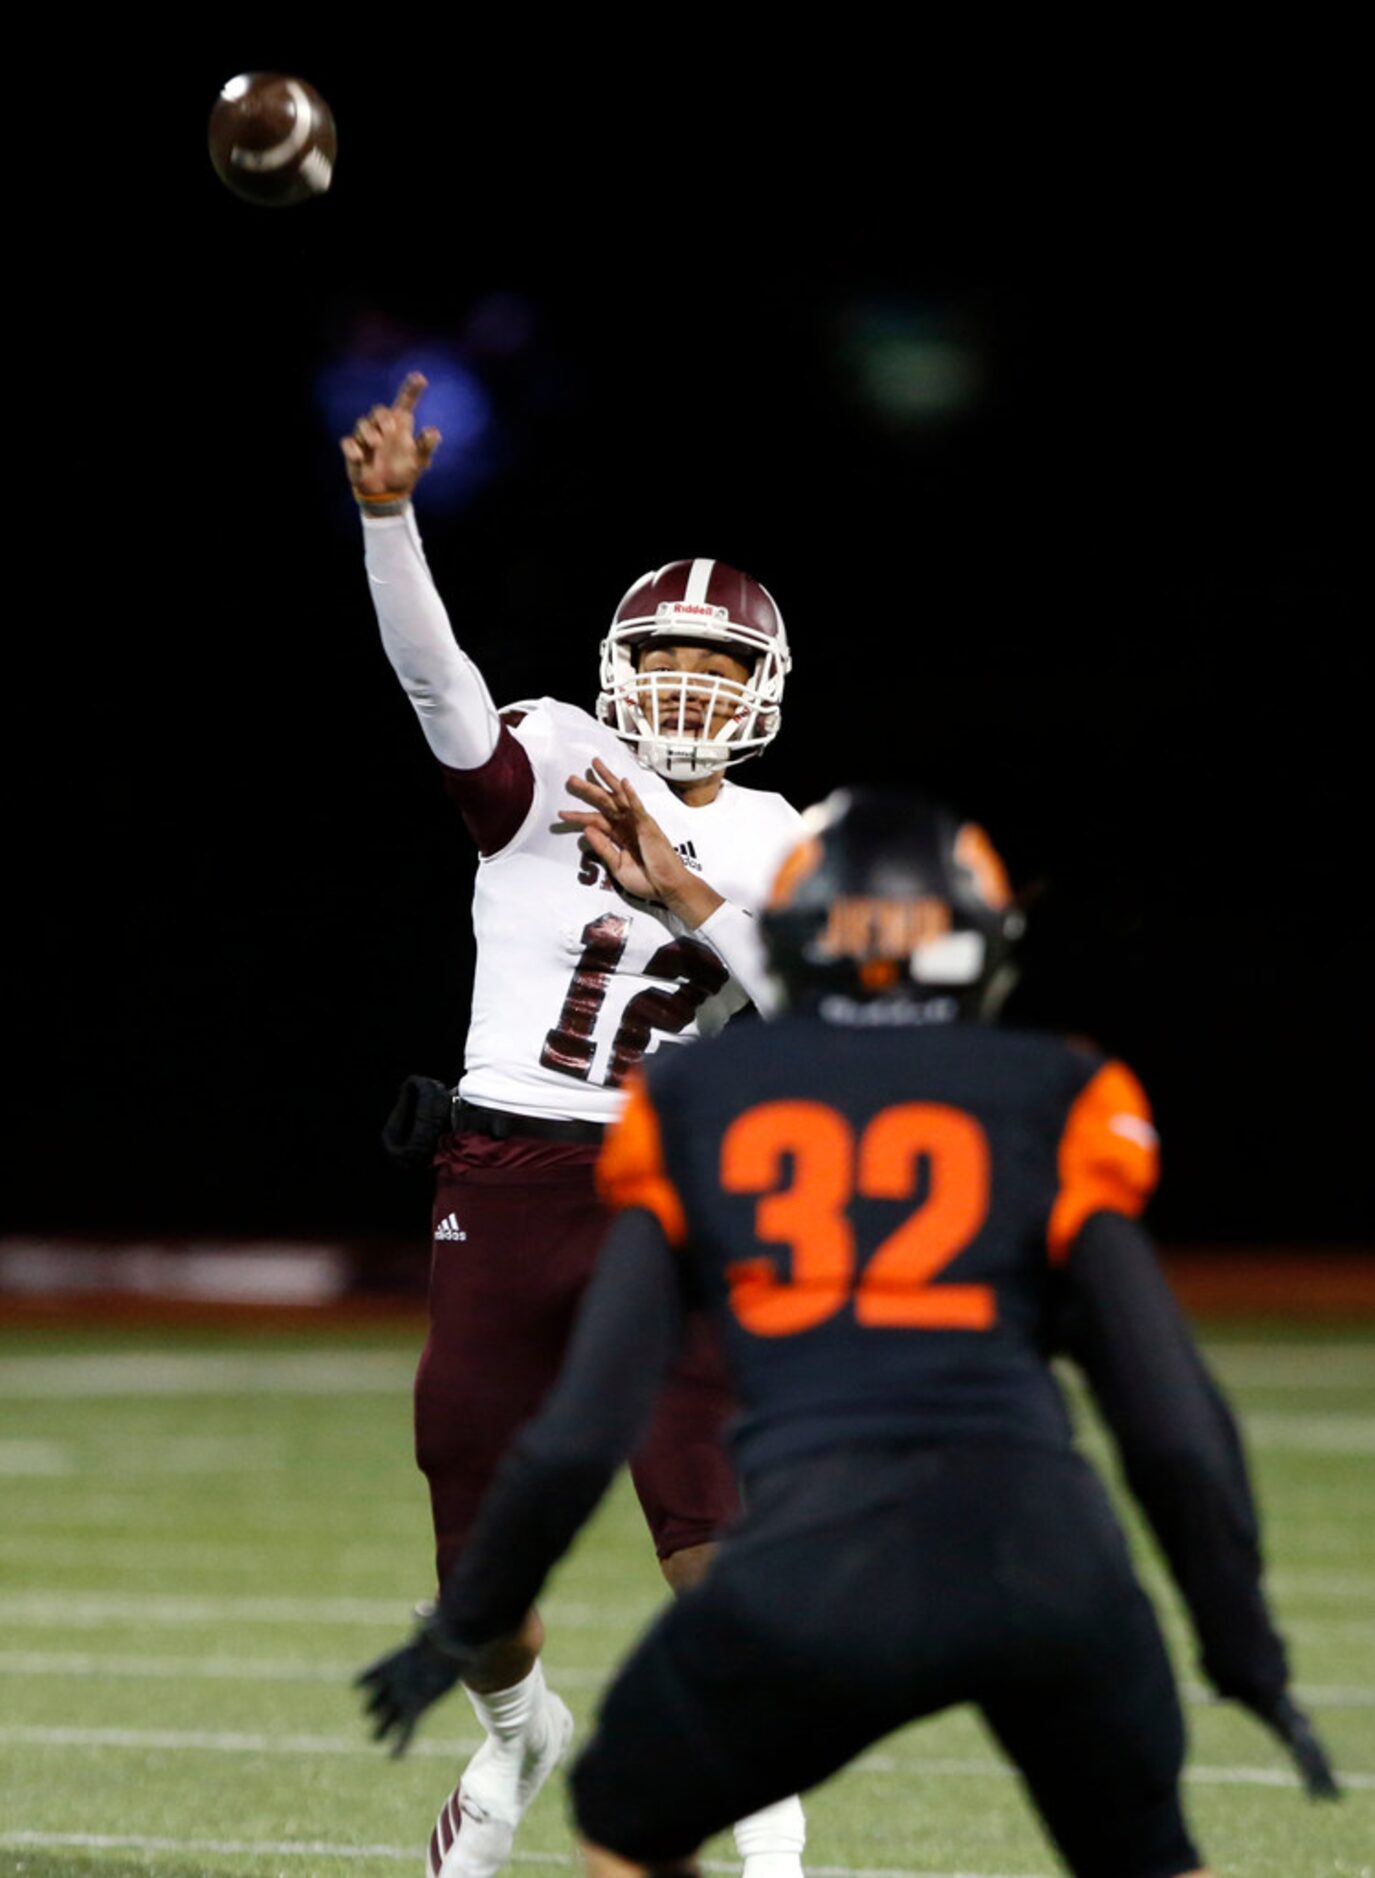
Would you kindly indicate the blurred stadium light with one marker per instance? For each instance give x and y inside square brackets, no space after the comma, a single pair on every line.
[457,403]
[912,364]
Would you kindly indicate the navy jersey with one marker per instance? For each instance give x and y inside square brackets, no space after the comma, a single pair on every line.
[882,1257]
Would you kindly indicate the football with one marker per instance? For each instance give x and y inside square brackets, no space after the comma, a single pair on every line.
[272,139]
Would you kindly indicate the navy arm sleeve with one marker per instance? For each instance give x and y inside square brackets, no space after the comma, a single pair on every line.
[629,1330]
[1179,1446]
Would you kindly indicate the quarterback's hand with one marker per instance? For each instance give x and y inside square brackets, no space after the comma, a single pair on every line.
[633,848]
[385,456]
[397,1689]
[1285,1718]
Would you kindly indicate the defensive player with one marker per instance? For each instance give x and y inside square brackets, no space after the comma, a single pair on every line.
[896,1213]
[603,930]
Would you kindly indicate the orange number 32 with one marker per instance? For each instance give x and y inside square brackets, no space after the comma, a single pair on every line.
[897,1289]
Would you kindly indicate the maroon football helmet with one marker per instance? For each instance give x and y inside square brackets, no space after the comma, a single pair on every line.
[707,603]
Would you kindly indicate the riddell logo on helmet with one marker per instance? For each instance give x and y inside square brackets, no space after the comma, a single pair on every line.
[692,609]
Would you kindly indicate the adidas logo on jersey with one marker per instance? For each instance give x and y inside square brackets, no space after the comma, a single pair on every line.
[689,854]
[449,1228]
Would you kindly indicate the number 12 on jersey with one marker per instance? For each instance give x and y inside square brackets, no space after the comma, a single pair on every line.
[694,973]
[809,1215]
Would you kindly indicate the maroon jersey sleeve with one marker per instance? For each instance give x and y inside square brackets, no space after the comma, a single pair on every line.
[494,799]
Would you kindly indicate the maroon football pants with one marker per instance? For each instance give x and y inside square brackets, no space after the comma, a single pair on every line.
[517,1227]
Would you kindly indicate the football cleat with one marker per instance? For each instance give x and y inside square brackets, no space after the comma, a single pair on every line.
[476,1828]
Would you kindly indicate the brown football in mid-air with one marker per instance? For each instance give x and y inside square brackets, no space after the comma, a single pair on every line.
[272,139]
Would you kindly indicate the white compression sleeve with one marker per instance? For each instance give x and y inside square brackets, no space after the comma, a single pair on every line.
[448,692]
[733,935]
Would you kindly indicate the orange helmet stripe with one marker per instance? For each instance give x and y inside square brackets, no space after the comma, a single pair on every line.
[975,852]
[801,862]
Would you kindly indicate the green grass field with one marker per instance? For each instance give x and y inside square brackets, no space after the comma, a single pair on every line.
[204,1535]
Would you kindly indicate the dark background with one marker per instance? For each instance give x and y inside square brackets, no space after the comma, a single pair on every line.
[1047,439]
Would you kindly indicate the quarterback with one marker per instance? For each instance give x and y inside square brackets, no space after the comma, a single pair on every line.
[606,929]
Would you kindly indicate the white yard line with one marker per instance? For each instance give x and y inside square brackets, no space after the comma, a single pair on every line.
[40,1610]
[1270,1431]
[118,1668]
[378,1555]
[208,1373]
[173,1610]
[222,1741]
[1325,1629]
[1266,1431]
[913,1766]
[1300,1581]
[121,1667]
[160,1372]
[304,1848]
[36,1459]
[176,1609]
[96,1456]
[314,1513]
[1311,1694]
[174,1740]
[1294,1365]
[174,1668]
[242,1555]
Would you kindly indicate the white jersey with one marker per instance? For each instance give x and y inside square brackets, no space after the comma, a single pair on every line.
[576,980]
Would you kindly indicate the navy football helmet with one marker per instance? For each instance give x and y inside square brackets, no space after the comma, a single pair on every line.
[894,902]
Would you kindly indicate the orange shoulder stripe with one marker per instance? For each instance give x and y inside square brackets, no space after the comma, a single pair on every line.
[1109,1158]
[630,1167]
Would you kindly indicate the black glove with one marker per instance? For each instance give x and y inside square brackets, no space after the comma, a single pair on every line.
[398,1688]
[419,1121]
[1283,1716]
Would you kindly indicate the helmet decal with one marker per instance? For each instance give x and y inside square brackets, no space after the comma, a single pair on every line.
[863,927]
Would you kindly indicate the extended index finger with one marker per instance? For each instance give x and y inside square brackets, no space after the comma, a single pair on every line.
[588,791]
[409,395]
[621,789]
[610,780]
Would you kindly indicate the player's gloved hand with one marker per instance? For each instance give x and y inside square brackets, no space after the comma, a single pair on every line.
[399,1687]
[1283,1716]
[419,1121]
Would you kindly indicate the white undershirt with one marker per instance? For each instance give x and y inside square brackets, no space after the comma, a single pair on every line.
[448,692]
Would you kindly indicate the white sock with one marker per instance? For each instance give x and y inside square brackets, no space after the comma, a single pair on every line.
[771,1840]
[506,1714]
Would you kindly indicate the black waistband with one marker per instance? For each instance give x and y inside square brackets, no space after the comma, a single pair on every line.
[468,1118]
